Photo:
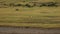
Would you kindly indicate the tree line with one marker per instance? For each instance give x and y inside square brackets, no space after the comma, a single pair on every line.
[30,4]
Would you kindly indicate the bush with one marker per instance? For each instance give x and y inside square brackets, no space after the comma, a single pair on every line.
[49,4]
[52,4]
[27,5]
[38,4]
[17,9]
[11,4]
[18,5]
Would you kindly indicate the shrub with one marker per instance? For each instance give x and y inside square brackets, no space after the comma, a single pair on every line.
[49,4]
[11,4]
[27,5]
[17,9]
[18,5]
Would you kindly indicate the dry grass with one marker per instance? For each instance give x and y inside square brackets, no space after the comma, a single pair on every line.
[45,17]
[30,25]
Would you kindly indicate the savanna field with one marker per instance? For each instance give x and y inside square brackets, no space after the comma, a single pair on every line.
[46,17]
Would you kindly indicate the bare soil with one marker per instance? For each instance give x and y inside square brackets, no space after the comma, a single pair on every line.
[27,30]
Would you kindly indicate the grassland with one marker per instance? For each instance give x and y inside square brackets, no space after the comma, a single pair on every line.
[45,17]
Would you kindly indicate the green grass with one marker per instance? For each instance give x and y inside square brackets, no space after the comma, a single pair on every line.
[46,17]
